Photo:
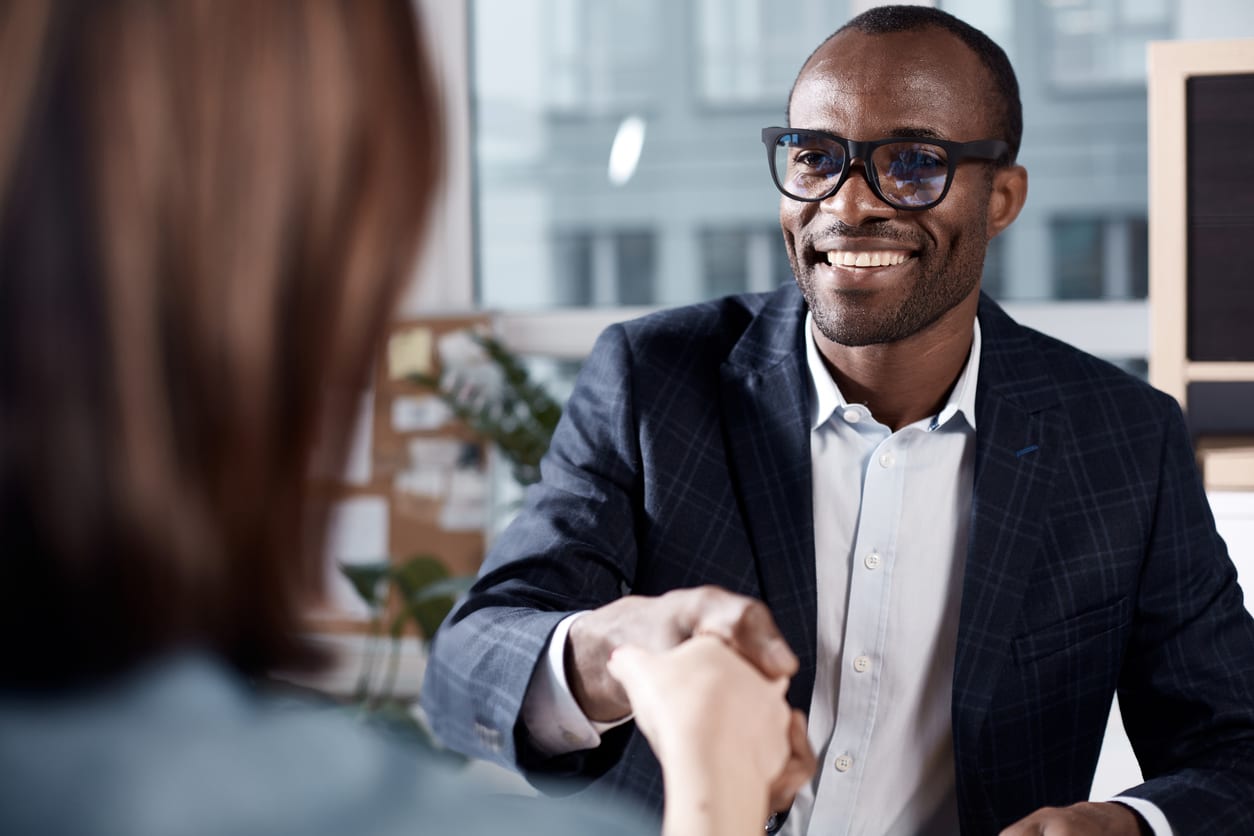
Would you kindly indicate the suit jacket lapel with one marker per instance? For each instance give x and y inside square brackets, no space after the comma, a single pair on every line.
[1018,441]
[766,394]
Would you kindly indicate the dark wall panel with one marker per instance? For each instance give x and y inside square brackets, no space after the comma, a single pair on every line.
[1221,217]
[1221,407]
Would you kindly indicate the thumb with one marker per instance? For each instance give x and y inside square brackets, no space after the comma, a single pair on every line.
[627,663]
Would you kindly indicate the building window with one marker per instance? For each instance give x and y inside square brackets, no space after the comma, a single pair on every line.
[992,281]
[742,260]
[634,268]
[599,268]
[1099,257]
[572,269]
[601,56]
[747,50]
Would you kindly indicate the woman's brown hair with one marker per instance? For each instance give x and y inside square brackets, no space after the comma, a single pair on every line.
[207,210]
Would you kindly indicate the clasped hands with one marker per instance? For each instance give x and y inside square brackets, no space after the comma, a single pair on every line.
[705,671]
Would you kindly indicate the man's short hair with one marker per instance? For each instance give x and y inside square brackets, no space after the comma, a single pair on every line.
[885,20]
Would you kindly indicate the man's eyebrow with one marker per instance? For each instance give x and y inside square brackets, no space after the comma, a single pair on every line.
[916,133]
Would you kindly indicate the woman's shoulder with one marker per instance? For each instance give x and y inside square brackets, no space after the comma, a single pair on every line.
[186,747]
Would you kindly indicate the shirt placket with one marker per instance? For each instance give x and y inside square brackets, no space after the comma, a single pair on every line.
[863,655]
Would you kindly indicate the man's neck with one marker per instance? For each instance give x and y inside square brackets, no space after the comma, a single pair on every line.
[905,381]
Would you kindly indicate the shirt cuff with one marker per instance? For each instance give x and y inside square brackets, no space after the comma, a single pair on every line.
[551,715]
[1149,811]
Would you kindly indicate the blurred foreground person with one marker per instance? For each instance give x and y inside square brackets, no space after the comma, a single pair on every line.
[207,210]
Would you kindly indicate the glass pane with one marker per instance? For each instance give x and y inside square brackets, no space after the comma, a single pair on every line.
[1138,258]
[1077,249]
[994,267]
[634,267]
[572,268]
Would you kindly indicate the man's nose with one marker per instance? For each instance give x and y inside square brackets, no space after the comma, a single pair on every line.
[855,202]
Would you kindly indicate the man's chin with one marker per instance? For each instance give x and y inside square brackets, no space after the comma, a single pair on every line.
[852,328]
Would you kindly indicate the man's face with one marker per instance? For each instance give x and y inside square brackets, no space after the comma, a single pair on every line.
[865,87]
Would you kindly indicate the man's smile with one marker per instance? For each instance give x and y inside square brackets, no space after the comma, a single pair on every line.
[868,258]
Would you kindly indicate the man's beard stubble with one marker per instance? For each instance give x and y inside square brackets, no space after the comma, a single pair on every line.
[851,317]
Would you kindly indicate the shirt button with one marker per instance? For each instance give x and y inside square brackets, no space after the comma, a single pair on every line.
[852,416]
[872,561]
[844,763]
[862,664]
[887,460]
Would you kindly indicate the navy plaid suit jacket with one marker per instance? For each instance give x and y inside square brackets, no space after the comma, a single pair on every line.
[1094,567]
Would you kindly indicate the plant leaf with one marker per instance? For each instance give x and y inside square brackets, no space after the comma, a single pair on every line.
[366,579]
[453,587]
[429,613]
[416,573]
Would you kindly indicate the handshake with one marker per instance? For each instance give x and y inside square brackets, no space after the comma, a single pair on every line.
[704,672]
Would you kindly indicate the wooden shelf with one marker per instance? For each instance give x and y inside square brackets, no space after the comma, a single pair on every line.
[1227,463]
[1222,372]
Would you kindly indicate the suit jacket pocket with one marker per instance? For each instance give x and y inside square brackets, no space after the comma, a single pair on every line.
[1070,632]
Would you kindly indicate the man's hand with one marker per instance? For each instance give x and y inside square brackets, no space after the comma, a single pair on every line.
[1084,819]
[799,769]
[659,623]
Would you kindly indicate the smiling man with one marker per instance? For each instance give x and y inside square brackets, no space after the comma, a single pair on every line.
[959,537]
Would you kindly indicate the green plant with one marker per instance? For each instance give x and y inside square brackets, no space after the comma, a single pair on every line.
[416,593]
[513,412]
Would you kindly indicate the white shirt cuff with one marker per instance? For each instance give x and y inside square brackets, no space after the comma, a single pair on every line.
[551,715]
[1149,811]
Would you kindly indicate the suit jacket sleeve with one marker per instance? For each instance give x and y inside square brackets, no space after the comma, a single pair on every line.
[572,547]
[1187,688]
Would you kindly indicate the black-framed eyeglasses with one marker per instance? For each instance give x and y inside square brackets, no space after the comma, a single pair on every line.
[905,172]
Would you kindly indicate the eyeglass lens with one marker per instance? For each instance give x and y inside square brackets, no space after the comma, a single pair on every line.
[909,174]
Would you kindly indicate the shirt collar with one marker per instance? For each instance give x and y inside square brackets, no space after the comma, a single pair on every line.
[827,397]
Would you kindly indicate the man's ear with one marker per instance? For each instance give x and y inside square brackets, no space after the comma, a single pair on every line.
[1010,190]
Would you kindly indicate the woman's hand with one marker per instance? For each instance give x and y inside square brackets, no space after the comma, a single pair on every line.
[726,738]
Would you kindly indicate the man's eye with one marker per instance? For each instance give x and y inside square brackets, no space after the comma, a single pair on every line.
[816,161]
[915,163]
[921,159]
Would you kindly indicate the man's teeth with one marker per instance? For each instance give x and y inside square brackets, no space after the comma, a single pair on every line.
[849,258]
